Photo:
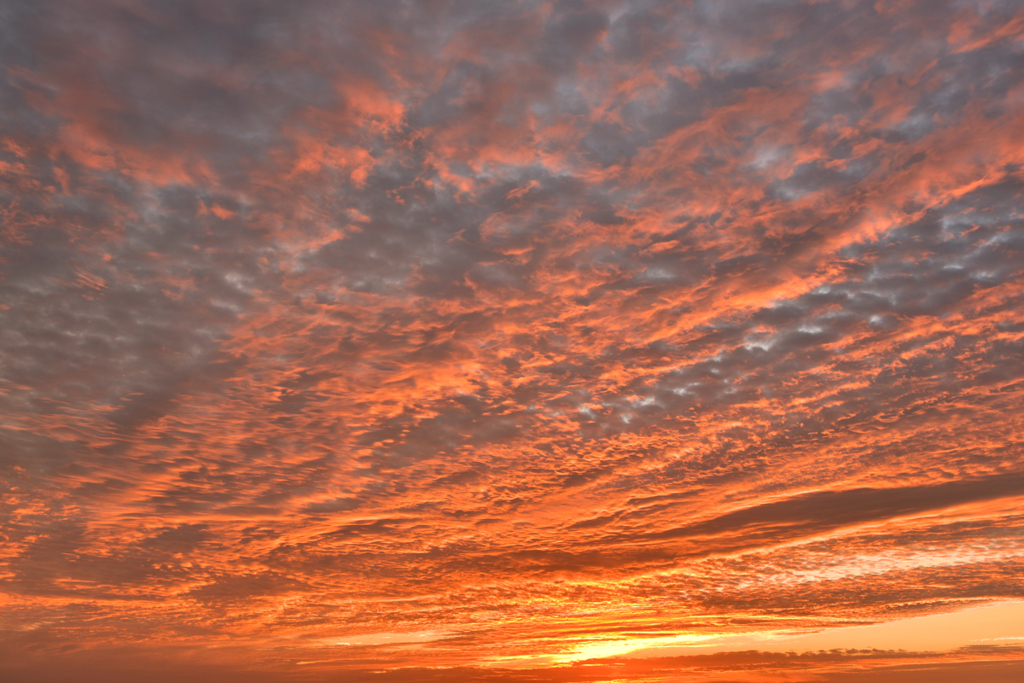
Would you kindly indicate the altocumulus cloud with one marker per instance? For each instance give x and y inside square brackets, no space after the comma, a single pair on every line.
[514,326]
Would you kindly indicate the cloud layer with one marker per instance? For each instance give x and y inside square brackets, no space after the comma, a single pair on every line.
[471,334]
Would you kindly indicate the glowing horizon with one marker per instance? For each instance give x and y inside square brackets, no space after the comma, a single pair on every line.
[549,341]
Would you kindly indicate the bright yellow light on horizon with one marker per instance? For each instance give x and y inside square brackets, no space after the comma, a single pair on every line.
[1001,622]
[989,624]
[616,648]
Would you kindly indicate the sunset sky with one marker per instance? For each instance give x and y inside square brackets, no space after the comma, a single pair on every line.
[483,340]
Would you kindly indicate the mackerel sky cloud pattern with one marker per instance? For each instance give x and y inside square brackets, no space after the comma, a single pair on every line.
[511,341]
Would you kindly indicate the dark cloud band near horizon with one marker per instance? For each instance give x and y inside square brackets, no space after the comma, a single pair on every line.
[475,340]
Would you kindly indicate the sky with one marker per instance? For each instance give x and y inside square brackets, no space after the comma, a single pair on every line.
[511,341]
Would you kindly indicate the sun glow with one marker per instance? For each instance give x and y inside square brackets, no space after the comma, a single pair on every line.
[615,648]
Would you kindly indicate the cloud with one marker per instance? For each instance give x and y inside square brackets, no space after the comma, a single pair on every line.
[528,323]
